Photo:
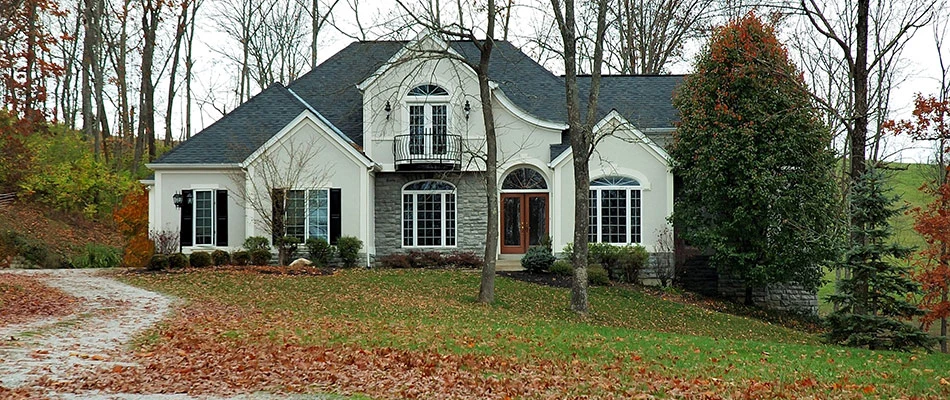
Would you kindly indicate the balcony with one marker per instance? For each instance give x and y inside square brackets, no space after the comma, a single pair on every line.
[427,151]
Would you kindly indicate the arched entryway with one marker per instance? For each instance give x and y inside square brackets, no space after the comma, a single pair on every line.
[524,210]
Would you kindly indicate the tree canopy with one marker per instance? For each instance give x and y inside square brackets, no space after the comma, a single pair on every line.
[756,174]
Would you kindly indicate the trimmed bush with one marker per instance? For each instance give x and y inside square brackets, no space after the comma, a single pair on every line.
[256,242]
[630,260]
[537,259]
[396,260]
[177,261]
[260,257]
[98,256]
[220,257]
[200,259]
[158,262]
[349,249]
[320,251]
[597,275]
[464,259]
[240,257]
[562,268]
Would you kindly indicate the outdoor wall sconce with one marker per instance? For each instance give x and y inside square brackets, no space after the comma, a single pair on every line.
[176,198]
[388,109]
[468,109]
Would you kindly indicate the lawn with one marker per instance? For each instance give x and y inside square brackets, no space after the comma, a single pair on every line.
[427,328]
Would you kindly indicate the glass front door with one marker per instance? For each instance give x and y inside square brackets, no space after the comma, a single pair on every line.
[524,221]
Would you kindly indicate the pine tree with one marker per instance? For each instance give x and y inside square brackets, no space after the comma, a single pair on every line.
[872,318]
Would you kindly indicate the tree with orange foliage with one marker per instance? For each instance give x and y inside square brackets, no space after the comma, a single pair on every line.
[132,221]
[930,123]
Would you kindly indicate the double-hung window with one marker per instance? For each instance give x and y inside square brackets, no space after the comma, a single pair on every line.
[428,217]
[614,210]
[308,214]
[204,217]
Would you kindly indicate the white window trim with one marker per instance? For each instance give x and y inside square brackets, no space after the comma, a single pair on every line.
[415,212]
[306,211]
[600,228]
[194,217]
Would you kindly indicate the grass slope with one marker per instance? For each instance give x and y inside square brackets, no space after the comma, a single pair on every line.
[434,311]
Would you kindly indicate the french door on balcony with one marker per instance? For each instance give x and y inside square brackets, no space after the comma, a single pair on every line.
[428,129]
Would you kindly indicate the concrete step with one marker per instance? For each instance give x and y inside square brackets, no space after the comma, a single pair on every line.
[508,265]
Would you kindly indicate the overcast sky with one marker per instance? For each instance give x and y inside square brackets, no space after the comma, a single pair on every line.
[215,77]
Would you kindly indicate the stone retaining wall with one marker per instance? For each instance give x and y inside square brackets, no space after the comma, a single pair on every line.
[781,297]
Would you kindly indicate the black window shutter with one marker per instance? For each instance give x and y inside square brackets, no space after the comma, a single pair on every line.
[277,214]
[335,214]
[187,219]
[221,208]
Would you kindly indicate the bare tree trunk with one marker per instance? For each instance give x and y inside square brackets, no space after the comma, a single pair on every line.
[89,123]
[859,135]
[189,63]
[486,289]
[172,84]
[146,131]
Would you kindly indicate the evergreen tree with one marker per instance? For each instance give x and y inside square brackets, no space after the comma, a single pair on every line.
[757,185]
[869,313]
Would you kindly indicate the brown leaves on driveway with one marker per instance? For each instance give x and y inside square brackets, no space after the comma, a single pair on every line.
[24,298]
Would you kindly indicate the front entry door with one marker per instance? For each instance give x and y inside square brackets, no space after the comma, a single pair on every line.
[524,221]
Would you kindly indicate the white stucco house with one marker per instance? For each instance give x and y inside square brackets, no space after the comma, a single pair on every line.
[388,137]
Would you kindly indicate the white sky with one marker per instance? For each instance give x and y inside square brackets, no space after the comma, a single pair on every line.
[215,79]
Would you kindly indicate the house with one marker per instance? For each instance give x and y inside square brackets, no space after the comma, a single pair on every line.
[384,141]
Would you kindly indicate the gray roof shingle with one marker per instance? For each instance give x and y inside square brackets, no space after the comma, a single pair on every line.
[239,133]
[330,88]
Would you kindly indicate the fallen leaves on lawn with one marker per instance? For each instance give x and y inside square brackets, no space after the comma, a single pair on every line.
[195,356]
[23,298]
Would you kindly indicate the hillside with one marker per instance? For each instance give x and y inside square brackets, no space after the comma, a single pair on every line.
[63,233]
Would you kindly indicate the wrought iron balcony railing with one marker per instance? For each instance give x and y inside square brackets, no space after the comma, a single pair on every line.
[428,150]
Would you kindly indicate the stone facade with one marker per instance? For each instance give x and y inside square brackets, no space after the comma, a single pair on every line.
[781,297]
[470,210]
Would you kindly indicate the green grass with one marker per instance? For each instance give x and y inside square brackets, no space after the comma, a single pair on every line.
[436,311]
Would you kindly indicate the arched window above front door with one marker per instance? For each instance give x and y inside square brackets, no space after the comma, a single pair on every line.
[524,179]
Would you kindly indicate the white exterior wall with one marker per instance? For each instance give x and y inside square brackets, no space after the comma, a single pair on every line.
[629,157]
[164,216]
[333,165]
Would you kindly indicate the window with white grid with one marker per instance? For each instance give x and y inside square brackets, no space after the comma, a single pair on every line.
[615,210]
[204,216]
[307,214]
[428,214]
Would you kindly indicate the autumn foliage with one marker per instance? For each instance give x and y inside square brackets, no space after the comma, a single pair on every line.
[132,221]
[933,223]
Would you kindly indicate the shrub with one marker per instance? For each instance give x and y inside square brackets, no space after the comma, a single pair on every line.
[537,259]
[320,251]
[630,260]
[98,256]
[158,262]
[286,248]
[240,257]
[349,249]
[464,259]
[396,260]
[200,259]
[40,255]
[256,242]
[220,257]
[177,261]
[166,242]
[597,275]
[260,256]
[562,268]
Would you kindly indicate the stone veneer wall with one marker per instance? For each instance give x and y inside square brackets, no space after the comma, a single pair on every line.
[782,297]
[470,202]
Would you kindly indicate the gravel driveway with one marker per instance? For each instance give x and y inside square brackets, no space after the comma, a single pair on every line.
[110,314]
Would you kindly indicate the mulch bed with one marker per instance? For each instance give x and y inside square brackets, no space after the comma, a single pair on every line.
[541,278]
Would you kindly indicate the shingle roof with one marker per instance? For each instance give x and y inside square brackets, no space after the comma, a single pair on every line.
[330,88]
[644,100]
[236,135]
